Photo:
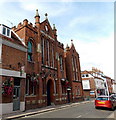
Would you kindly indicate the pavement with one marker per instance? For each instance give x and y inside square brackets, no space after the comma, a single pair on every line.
[19,114]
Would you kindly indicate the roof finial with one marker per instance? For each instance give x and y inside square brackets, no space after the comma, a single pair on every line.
[71,41]
[54,27]
[67,46]
[46,15]
[37,14]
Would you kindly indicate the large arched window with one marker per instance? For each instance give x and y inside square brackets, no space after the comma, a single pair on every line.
[42,49]
[30,51]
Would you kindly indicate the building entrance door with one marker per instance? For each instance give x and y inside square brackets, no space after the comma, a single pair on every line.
[16,98]
[49,92]
[16,95]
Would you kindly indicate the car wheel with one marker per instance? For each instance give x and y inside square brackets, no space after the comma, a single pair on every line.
[96,107]
[112,108]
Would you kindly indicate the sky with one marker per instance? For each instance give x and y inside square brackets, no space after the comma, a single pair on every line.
[90,24]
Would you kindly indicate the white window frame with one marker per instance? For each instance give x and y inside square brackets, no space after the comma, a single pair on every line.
[6,31]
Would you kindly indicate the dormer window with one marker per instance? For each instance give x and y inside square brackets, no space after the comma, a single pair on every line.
[8,32]
[5,30]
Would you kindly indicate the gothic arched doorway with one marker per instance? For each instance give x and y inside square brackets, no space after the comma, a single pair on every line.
[50,91]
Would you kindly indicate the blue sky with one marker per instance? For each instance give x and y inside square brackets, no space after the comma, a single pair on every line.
[89,24]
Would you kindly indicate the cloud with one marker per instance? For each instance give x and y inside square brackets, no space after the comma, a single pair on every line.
[52,9]
[98,54]
[80,20]
[60,0]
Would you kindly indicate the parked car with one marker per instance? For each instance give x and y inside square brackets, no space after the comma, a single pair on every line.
[113,95]
[105,101]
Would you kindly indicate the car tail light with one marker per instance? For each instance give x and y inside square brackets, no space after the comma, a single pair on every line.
[109,101]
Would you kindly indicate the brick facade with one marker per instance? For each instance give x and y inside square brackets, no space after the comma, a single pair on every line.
[13,57]
[48,63]
[47,76]
[73,73]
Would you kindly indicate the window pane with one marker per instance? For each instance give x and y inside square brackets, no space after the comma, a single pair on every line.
[30,47]
[4,30]
[30,51]
[102,98]
[8,32]
[29,57]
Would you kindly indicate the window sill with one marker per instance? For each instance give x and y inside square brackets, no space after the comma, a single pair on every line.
[44,95]
[31,61]
[30,95]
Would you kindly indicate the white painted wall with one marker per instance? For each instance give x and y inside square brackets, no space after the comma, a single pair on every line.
[114,88]
[5,72]
[86,84]
[99,84]
[8,108]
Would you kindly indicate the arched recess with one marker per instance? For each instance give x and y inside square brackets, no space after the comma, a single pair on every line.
[50,91]
[31,47]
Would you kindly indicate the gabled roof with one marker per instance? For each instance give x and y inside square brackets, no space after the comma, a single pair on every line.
[72,47]
[46,22]
[85,72]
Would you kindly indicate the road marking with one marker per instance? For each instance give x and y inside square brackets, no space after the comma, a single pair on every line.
[79,116]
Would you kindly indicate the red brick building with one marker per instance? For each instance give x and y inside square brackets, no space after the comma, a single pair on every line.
[12,74]
[73,73]
[45,64]
[47,81]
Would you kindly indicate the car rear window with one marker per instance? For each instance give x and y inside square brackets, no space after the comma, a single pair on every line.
[102,98]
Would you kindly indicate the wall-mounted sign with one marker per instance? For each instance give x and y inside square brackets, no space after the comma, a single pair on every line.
[92,92]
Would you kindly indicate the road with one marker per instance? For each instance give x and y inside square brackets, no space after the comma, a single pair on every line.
[78,111]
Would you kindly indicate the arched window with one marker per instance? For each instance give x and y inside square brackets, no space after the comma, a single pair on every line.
[30,51]
[61,63]
[42,49]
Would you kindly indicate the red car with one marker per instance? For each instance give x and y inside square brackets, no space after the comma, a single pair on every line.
[105,101]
